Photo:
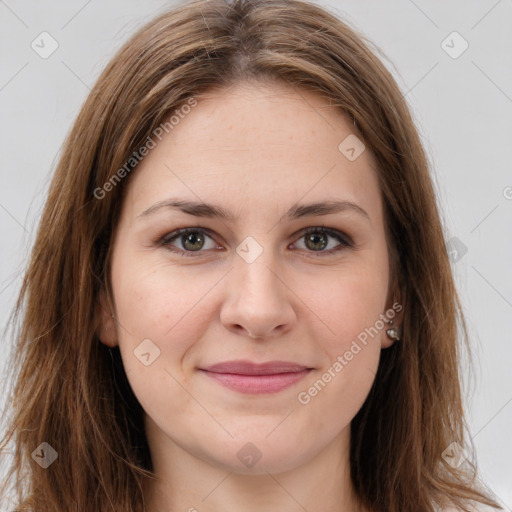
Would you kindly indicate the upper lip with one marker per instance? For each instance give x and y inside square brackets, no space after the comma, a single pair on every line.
[243,367]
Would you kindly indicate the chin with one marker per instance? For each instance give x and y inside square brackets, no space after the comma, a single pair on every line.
[258,457]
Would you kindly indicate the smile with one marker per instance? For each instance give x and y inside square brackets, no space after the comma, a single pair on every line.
[253,378]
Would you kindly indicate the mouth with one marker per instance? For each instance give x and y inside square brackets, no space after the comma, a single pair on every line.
[254,378]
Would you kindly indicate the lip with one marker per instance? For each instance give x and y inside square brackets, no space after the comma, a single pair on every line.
[256,378]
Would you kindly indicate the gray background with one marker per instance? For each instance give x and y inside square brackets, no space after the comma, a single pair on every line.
[463,108]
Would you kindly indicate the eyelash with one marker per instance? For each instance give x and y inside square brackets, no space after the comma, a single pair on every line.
[345,241]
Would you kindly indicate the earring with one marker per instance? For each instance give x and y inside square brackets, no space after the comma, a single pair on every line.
[393,332]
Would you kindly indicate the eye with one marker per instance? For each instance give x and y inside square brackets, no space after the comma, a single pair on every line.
[192,240]
[317,239]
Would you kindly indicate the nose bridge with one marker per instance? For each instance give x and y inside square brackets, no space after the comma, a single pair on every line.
[255,269]
[258,299]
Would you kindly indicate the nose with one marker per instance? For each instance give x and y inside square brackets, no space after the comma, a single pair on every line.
[260,301]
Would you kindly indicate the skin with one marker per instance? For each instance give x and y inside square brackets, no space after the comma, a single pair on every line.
[256,150]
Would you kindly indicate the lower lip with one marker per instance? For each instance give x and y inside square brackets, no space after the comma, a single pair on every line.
[257,384]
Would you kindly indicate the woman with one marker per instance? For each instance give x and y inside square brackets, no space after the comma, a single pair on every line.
[295,348]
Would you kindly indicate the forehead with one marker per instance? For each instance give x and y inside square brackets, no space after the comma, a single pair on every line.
[257,145]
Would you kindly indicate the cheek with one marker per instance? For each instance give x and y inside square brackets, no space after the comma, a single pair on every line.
[166,305]
[350,305]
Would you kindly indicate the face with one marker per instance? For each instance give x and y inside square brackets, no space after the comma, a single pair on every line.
[305,290]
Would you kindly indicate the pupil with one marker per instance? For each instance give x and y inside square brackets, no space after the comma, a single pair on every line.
[314,240]
[190,238]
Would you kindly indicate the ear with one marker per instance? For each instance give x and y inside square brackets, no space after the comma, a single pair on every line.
[394,312]
[106,325]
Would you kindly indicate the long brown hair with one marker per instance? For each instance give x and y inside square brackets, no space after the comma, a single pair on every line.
[70,390]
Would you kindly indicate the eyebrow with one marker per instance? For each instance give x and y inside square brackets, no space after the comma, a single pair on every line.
[201,209]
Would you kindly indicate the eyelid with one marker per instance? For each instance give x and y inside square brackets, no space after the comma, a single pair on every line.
[345,241]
